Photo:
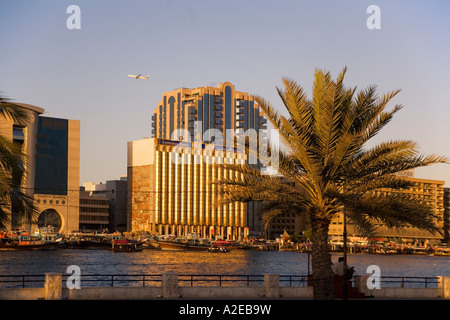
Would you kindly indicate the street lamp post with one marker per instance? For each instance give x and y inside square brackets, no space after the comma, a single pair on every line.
[344,285]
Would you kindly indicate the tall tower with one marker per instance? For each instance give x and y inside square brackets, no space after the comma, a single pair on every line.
[52,147]
[170,197]
[220,108]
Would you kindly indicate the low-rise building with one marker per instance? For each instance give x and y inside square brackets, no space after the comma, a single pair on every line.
[94,212]
[116,192]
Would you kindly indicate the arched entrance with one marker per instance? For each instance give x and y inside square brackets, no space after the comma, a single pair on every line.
[50,217]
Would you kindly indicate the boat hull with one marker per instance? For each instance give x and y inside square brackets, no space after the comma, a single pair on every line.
[87,245]
[29,247]
[125,246]
[181,246]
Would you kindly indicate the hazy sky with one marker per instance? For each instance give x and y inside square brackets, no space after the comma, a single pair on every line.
[82,74]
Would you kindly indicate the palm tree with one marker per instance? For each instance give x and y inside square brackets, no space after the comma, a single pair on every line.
[325,155]
[13,164]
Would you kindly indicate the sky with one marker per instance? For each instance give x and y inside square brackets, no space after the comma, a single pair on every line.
[82,73]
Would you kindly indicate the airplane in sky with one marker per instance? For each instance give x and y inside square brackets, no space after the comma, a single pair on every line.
[139,76]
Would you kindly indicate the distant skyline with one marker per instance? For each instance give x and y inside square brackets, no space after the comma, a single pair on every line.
[83,74]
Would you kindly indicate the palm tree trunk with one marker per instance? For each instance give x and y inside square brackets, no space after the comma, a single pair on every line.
[321,260]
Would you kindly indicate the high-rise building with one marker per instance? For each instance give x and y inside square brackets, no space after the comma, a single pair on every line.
[210,115]
[25,136]
[222,108]
[447,215]
[52,147]
[170,192]
[430,191]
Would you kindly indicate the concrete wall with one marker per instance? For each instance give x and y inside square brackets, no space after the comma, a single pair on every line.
[22,294]
[112,293]
[441,292]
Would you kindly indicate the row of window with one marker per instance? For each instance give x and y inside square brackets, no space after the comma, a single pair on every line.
[45,201]
[95,202]
[93,218]
[97,210]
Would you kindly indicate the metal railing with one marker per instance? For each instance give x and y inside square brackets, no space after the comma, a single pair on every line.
[97,280]
[21,281]
[409,282]
[221,280]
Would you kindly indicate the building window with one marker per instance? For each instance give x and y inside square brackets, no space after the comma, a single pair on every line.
[18,134]
[227,107]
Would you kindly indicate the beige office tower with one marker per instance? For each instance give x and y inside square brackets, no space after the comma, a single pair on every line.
[170,198]
[169,190]
[446,221]
[52,147]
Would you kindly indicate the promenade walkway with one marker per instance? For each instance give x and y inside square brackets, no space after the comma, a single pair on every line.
[172,286]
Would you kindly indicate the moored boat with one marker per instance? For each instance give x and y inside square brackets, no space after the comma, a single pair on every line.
[225,244]
[442,252]
[124,245]
[29,247]
[181,244]
[220,247]
[27,243]
[87,241]
[150,244]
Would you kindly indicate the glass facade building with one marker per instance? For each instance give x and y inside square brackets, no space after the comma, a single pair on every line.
[51,156]
[52,147]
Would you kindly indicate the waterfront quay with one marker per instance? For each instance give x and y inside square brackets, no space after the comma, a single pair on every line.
[173,286]
[238,274]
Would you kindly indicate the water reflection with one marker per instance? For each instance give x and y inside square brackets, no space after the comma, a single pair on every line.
[234,262]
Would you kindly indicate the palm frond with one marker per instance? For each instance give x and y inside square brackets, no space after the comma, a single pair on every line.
[13,112]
